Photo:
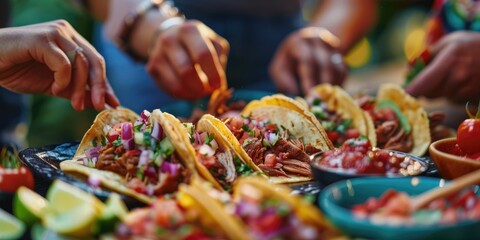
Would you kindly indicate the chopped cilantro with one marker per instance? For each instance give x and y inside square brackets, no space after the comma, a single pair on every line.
[137,128]
[146,139]
[166,148]
[247,141]
[140,173]
[309,198]
[161,232]
[94,142]
[316,102]
[283,210]
[283,128]
[209,138]
[248,130]
[117,142]
[104,141]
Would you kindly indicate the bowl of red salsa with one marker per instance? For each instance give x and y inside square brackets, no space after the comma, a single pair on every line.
[374,208]
[451,160]
[356,158]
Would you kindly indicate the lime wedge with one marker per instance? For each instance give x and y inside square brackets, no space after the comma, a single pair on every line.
[28,205]
[114,211]
[71,211]
[38,232]
[10,227]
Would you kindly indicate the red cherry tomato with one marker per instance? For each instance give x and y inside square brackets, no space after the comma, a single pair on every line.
[12,179]
[269,223]
[468,136]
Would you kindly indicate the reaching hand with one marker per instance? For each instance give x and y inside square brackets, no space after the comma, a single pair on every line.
[52,58]
[454,71]
[308,56]
[188,61]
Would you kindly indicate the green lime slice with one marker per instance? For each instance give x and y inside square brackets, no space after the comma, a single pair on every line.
[10,227]
[28,205]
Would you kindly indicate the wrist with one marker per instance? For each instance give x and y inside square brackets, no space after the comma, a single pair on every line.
[140,25]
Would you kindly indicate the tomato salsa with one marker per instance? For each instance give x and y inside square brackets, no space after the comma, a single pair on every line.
[356,156]
[392,209]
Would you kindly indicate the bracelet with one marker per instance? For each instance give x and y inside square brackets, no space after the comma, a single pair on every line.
[129,23]
[164,26]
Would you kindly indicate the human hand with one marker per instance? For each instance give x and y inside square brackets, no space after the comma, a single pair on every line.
[52,58]
[309,57]
[188,60]
[453,71]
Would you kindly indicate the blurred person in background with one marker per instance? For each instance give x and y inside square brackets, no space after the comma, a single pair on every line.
[452,57]
[263,45]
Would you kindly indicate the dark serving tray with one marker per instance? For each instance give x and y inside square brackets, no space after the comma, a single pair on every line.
[44,164]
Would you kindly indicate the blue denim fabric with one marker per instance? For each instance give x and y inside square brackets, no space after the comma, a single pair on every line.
[13,108]
[253,42]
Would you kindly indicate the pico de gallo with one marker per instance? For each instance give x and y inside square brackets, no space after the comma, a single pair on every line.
[356,156]
[12,173]
[392,208]
[167,219]
[224,165]
[269,217]
[141,153]
[338,129]
[271,147]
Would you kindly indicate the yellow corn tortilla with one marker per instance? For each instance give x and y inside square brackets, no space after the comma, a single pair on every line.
[305,211]
[290,114]
[109,180]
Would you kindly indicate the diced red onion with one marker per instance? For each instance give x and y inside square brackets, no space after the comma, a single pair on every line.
[145,115]
[85,161]
[206,150]
[247,209]
[150,189]
[271,138]
[196,136]
[171,168]
[128,144]
[94,180]
[150,172]
[202,137]
[93,152]
[127,132]
[157,130]
[144,158]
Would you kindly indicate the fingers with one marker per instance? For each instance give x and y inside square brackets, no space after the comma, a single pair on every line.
[58,62]
[282,76]
[162,71]
[429,82]
[202,52]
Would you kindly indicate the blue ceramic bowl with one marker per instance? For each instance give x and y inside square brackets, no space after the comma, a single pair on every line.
[336,199]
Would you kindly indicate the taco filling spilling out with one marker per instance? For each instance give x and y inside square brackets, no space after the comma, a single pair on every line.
[269,217]
[392,127]
[224,165]
[271,147]
[141,153]
[338,129]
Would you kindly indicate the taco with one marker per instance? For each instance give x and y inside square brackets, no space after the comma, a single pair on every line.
[191,215]
[206,147]
[339,114]
[399,120]
[277,135]
[130,154]
[270,211]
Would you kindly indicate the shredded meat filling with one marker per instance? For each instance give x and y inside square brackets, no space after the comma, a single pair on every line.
[291,159]
[113,158]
